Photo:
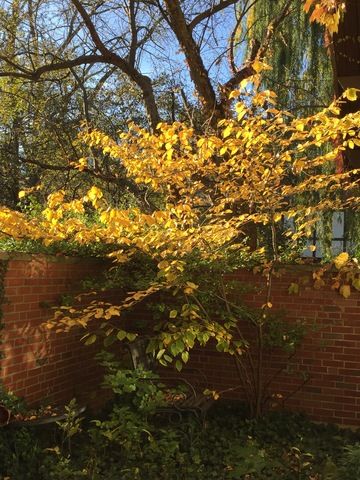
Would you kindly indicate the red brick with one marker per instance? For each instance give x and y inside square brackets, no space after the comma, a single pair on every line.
[331,354]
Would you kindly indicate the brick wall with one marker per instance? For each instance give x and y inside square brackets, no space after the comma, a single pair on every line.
[40,365]
[324,376]
[43,366]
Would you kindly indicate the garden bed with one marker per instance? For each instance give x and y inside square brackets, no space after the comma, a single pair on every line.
[228,446]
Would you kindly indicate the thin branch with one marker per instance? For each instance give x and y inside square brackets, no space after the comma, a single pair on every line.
[35,75]
[209,12]
[231,54]
[142,81]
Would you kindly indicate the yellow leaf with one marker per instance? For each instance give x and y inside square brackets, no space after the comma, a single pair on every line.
[260,66]
[22,194]
[212,393]
[56,198]
[138,296]
[345,291]
[99,313]
[241,110]
[351,94]
[341,260]
[94,193]
[234,94]
[244,83]
[319,283]
[227,131]
[112,312]
[307,5]
[223,150]
[173,314]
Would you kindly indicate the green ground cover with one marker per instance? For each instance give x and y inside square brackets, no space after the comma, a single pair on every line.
[131,440]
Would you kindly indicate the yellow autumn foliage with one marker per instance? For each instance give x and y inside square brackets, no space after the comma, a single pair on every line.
[326,12]
[261,167]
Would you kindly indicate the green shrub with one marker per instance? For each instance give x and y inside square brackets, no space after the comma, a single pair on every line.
[350,463]
[135,440]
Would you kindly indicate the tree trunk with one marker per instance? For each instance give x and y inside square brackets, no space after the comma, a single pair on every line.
[198,73]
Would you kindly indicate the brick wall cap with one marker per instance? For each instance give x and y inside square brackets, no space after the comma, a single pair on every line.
[28,257]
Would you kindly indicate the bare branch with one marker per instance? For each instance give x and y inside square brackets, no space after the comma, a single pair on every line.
[142,81]
[52,67]
[210,11]
[114,179]
[241,17]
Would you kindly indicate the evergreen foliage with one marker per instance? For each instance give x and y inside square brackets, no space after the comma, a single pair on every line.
[301,72]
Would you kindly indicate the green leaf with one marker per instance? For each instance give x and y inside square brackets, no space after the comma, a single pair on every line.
[178,365]
[131,336]
[151,346]
[121,335]
[91,339]
[160,353]
[173,314]
[189,339]
[174,349]
[185,357]
[356,283]
[220,346]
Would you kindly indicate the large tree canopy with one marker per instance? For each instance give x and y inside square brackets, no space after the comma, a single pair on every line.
[106,63]
[136,38]
[237,161]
